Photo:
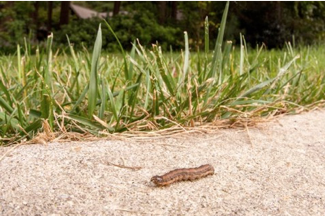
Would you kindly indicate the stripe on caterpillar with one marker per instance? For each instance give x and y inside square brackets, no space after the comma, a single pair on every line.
[183,175]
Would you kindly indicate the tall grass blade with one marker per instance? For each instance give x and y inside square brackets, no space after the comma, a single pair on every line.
[19,64]
[186,57]
[103,99]
[217,57]
[93,82]
[206,36]
[46,98]
[242,55]
[148,89]
[127,74]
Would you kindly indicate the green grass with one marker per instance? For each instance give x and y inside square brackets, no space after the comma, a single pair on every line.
[145,89]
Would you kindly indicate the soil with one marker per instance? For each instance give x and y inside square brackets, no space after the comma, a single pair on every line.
[274,168]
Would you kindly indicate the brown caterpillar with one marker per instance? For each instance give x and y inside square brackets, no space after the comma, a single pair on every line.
[183,175]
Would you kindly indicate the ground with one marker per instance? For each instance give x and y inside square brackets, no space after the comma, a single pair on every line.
[274,168]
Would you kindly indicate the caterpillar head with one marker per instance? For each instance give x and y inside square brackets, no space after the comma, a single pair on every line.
[156,180]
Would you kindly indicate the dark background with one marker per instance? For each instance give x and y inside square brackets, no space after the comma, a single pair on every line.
[272,23]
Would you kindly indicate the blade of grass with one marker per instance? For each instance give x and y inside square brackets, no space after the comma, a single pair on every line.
[93,81]
[186,58]
[217,56]
[206,36]
[242,56]
[103,99]
[126,71]
[46,98]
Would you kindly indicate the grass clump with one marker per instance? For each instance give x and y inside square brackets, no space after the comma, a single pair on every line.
[146,89]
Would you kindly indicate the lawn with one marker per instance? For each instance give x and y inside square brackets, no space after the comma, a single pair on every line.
[146,89]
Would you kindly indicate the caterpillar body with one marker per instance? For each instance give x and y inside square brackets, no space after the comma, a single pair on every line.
[189,174]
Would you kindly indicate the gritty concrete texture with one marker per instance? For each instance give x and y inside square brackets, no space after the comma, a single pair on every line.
[274,168]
